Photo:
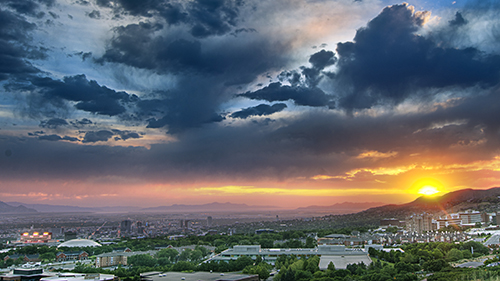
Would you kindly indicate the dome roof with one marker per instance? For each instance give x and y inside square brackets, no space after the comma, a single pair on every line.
[80,243]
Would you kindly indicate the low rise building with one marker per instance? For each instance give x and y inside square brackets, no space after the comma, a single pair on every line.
[72,256]
[197,276]
[117,258]
[24,274]
[338,254]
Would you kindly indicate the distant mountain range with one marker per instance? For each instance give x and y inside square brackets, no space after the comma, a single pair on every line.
[210,207]
[462,199]
[47,208]
[339,208]
[9,209]
[342,208]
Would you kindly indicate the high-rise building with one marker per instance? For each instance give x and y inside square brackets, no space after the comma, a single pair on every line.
[470,217]
[419,223]
[140,227]
[69,235]
[209,221]
[125,226]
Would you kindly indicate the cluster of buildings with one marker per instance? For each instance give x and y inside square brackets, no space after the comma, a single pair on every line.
[339,255]
[38,274]
[424,222]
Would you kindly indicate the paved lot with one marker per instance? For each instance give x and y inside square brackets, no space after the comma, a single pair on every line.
[471,264]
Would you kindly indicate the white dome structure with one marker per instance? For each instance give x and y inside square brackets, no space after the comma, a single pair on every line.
[79,243]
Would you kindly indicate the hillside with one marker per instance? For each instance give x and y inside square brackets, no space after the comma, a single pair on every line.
[482,200]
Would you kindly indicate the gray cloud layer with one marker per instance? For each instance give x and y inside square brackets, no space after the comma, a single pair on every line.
[213,57]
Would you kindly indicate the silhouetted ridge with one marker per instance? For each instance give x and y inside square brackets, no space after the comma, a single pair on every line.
[6,208]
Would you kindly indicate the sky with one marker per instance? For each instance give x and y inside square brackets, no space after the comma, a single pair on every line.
[284,103]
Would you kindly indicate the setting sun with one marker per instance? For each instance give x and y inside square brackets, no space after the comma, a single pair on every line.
[428,190]
[427,187]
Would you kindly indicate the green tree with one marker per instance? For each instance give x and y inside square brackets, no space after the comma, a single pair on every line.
[141,260]
[454,255]
[185,255]
[466,254]
[47,256]
[310,243]
[437,254]
[168,253]
[331,266]
[183,266]
[204,251]
[196,255]
[435,265]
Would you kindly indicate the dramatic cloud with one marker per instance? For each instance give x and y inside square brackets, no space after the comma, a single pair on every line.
[388,61]
[14,48]
[259,110]
[53,123]
[204,17]
[88,95]
[161,99]
[300,95]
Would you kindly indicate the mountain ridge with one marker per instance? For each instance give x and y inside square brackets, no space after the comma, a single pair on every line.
[9,209]
[455,200]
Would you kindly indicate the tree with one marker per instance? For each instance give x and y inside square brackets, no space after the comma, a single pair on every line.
[141,260]
[437,254]
[331,266]
[312,264]
[435,265]
[204,251]
[310,243]
[183,266]
[168,253]
[196,255]
[185,255]
[454,255]
[48,256]
[262,271]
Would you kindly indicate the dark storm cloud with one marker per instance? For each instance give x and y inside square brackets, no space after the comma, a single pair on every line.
[94,14]
[204,71]
[53,123]
[388,62]
[105,135]
[81,123]
[319,61]
[28,7]
[213,17]
[306,145]
[88,95]
[259,110]
[204,17]
[58,138]
[14,46]
[322,59]
[97,136]
[299,95]
[458,20]
[125,135]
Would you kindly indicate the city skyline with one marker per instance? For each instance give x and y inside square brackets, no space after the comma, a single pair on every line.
[284,103]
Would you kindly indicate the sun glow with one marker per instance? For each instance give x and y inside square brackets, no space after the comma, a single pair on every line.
[428,190]
[427,187]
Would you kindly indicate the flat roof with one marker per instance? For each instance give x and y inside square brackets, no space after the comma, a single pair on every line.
[341,262]
[200,276]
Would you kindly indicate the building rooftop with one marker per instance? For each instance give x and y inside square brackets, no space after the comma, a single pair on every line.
[341,262]
[197,276]
[79,243]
